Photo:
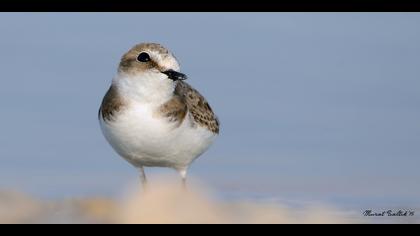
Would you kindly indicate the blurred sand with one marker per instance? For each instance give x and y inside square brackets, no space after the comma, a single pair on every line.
[161,203]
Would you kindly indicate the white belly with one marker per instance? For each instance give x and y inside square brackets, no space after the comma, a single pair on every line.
[144,139]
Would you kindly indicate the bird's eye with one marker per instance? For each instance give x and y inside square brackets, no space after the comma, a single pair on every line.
[143,57]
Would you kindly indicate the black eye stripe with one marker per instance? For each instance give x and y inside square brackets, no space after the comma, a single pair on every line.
[143,57]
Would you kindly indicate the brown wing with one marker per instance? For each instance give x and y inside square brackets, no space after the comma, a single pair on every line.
[198,106]
[175,109]
[111,104]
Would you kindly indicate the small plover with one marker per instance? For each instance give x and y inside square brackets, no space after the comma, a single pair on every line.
[151,117]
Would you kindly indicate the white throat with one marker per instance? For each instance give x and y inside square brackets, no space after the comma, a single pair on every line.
[148,87]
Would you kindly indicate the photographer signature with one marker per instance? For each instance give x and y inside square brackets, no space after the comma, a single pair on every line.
[392,213]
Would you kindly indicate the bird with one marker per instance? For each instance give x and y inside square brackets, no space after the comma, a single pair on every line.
[151,117]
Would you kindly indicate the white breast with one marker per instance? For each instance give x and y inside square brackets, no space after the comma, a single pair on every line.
[144,139]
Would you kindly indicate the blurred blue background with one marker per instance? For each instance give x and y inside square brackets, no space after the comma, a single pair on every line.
[314,106]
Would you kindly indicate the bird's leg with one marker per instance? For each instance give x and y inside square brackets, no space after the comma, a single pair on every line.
[184,183]
[143,177]
[183,173]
